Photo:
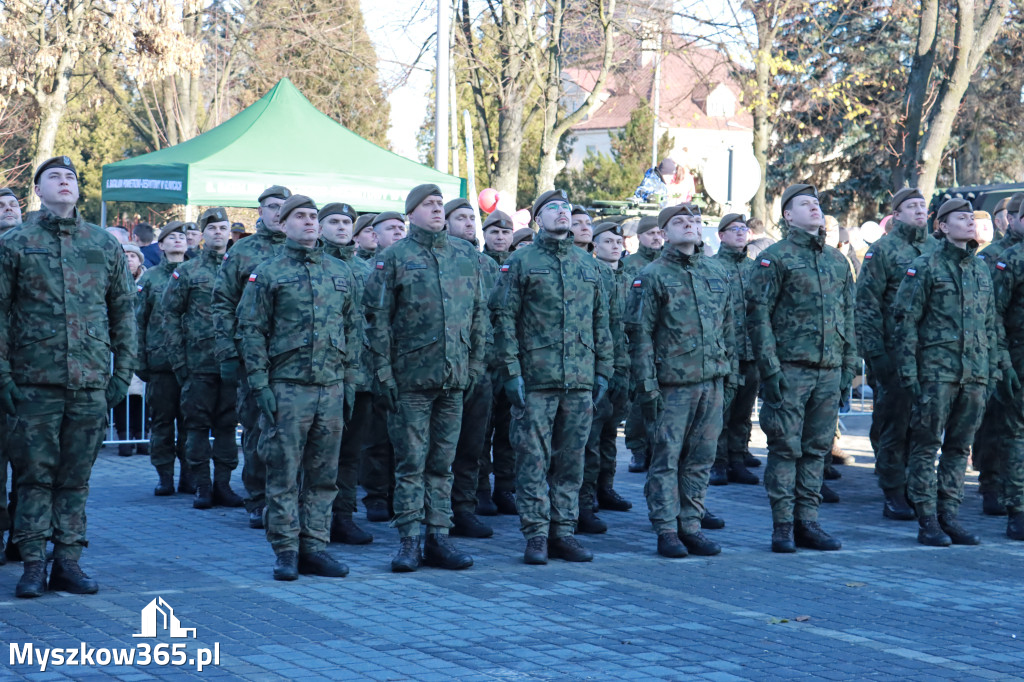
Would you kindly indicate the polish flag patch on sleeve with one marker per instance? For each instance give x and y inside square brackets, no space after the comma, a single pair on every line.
[868,255]
[911,272]
[225,256]
[175,274]
[139,287]
[637,283]
[1000,265]
[380,265]
[252,277]
[504,267]
[765,262]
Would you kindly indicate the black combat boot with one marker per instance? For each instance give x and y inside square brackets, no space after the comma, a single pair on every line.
[204,497]
[408,558]
[608,498]
[256,518]
[830,473]
[569,549]
[589,523]
[439,552]
[505,501]
[224,496]
[896,507]
[536,551]
[639,463]
[68,576]
[33,580]
[165,486]
[950,525]
[1015,524]
[377,511]
[719,475]
[782,538]
[186,481]
[990,504]
[484,504]
[711,522]
[345,531]
[750,461]
[828,495]
[466,525]
[322,564]
[287,566]
[699,544]
[737,473]
[669,545]
[809,535]
[931,533]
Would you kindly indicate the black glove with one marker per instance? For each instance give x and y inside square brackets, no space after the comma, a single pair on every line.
[1009,386]
[117,389]
[515,391]
[651,406]
[267,403]
[913,387]
[600,388]
[845,384]
[350,401]
[385,395]
[882,367]
[229,371]
[10,396]
[775,388]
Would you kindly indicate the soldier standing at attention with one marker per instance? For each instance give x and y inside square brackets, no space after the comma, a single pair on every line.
[365,239]
[299,334]
[885,266]
[426,328]
[800,319]
[1000,218]
[555,355]
[582,227]
[239,262]
[10,210]
[946,346]
[389,227]
[10,217]
[733,451]
[207,402]
[336,225]
[680,313]
[65,306]
[163,390]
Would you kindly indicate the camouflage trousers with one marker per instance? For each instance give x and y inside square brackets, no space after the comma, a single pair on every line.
[5,517]
[892,409]
[685,441]
[302,445]
[800,431]
[208,406]
[377,460]
[1011,465]
[955,409]
[254,471]
[989,448]
[425,433]
[549,437]
[638,432]
[352,443]
[497,455]
[53,443]
[738,401]
[167,428]
[476,413]
[600,451]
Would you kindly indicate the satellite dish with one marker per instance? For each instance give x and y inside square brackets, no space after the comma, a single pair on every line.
[745,176]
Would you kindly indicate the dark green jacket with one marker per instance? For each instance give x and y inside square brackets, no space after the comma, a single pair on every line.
[150,319]
[365,254]
[425,318]
[613,282]
[550,324]
[239,263]
[991,253]
[498,257]
[737,266]
[885,265]
[360,272]
[297,321]
[800,305]
[1008,283]
[945,319]
[635,262]
[66,304]
[187,308]
[680,321]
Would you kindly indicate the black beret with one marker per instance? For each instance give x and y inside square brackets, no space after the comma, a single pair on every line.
[293,202]
[55,162]
[212,215]
[337,208]
[797,190]
[419,193]
[277,191]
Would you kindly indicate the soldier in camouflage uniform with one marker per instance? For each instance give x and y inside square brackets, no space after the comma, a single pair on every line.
[239,262]
[884,268]
[638,434]
[681,328]
[163,389]
[298,330]
[426,327]
[10,217]
[1000,219]
[364,237]
[800,319]
[207,402]
[65,306]
[733,453]
[389,227]
[555,355]
[946,348]
[582,227]
[989,442]
[336,225]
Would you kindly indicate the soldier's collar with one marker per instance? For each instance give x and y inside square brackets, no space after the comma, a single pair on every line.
[648,252]
[311,254]
[958,254]
[212,256]
[804,238]
[422,235]
[69,225]
[731,253]
[674,254]
[498,256]
[909,232]
[547,241]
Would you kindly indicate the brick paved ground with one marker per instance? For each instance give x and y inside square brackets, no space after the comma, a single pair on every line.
[883,608]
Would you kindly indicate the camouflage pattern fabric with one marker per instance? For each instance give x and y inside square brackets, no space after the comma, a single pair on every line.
[476,415]
[738,266]
[150,318]
[1008,280]
[167,432]
[600,451]
[497,455]
[739,398]
[208,405]
[377,460]
[635,262]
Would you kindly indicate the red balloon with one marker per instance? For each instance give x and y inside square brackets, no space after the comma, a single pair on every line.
[488,200]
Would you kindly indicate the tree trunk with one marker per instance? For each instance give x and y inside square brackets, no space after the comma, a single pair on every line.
[761,111]
[905,161]
[514,79]
[51,111]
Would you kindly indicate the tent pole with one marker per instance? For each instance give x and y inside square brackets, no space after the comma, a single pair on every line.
[471,174]
[103,214]
[441,90]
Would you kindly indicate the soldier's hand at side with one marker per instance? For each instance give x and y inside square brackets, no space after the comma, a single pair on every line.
[845,384]
[10,396]
[1010,385]
[143,373]
[181,374]
[515,391]
[471,387]
[229,371]
[350,401]
[600,388]
[775,388]
[618,390]
[385,395]
[117,389]
[267,403]
[651,405]
[913,387]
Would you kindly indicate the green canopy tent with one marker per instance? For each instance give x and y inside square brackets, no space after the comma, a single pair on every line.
[281,139]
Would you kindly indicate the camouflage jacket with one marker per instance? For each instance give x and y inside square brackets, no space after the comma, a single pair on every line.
[65,304]
[550,324]
[991,253]
[239,263]
[737,266]
[297,321]
[149,317]
[885,265]
[498,257]
[188,314]
[1008,283]
[800,305]
[635,262]
[944,317]
[426,323]
[488,278]
[613,283]
[360,273]
[680,320]
[365,254]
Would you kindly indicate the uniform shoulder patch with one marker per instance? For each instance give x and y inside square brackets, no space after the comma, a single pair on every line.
[637,283]
[380,265]
[911,272]
[139,287]
[504,267]
[175,274]
[252,277]
[225,256]
[765,262]
[1000,265]
[868,255]
[982,256]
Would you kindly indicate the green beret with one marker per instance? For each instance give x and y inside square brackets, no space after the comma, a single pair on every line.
[903,195]
[55,162]
[953,206]
[498,219]
[293,202]
[7,192]
[171,228]
[579,210]
[456,204]
[277,191]
[730,218]
[418,194]
[337,208]
[521,235]
[132,248]
[671,212]
[1015,202]
[607,226]
[647,222]
[190,226]
[797,190]
[1003,205]
[546,198]
[388,215]
[362,221]
[212,215]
